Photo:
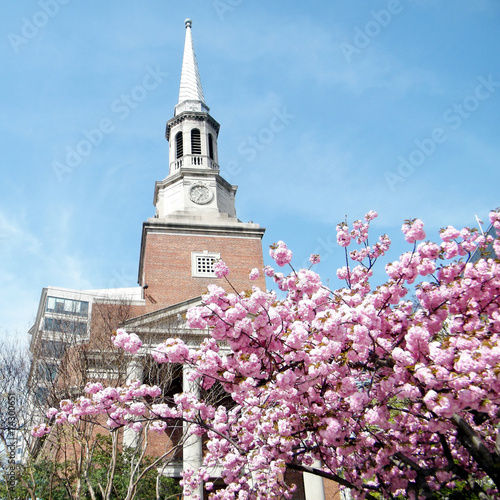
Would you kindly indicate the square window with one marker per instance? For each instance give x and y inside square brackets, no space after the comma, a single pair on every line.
[202,264]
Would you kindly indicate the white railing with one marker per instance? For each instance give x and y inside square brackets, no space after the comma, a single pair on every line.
[194,161]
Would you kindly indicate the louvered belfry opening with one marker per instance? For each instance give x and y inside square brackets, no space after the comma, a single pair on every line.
[179,150]
[195,142]
[210,146]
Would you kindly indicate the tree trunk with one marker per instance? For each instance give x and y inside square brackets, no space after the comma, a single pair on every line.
[471,440]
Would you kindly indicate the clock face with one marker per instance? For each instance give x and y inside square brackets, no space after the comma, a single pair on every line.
[200,194]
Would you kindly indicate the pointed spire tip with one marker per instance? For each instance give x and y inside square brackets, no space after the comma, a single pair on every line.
[190,89]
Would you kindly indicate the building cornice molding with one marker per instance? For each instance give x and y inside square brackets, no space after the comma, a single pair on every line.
[140,323]
[226,227]
[200,116]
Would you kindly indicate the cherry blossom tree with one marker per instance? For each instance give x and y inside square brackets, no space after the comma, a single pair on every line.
[357,385]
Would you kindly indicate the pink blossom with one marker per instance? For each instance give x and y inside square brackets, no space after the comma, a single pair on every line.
[73,419]
[254,274]
[280,253]
[52,412]
[93,387]
[450,233]
[165,411]
[40,430]
[494,217]
[136,426]
[343,235]
[172,350]
[153,391]
[269,271]
[66,405]
[128,342]
[221,269]
[413,230]
[343,273]
[496,247]
[137,409]
[314,259]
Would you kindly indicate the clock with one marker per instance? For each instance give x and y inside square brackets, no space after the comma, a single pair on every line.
[200,194]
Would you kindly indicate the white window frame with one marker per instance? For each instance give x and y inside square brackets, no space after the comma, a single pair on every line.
[195,256]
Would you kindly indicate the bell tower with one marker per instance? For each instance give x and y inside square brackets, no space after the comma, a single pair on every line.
[195,222]
[193,185]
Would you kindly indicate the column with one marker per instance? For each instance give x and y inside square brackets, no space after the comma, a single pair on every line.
[134,372]
[192,453]
[313,485]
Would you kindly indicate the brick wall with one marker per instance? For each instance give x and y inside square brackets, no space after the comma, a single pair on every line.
[332,490]
[167,266]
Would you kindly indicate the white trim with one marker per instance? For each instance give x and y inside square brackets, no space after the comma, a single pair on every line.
[197,259]
[206,235]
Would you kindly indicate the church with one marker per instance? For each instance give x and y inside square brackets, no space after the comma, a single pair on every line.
[193,226]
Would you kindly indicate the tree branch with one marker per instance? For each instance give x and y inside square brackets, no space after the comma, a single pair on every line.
[471,440]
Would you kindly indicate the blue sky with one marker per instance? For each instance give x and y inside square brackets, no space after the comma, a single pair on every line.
[391,105]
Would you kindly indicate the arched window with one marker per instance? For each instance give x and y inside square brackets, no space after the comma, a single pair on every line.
[179,150]
[195,142]
[210,146]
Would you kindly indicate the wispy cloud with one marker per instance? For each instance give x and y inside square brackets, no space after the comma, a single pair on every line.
[14,237]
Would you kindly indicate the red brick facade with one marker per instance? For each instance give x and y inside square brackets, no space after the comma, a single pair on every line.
[167,270]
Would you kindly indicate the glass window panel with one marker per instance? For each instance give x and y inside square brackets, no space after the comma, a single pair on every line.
[67,306]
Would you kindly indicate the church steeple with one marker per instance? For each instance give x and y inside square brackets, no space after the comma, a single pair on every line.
[193,186]
[195,221]
[191,91]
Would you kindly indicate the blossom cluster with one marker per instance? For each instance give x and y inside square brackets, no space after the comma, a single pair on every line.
[220,269]
[383,391]
[280,253]
[128,342]
[119,404]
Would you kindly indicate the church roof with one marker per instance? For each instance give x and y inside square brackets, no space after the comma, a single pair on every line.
[190,89]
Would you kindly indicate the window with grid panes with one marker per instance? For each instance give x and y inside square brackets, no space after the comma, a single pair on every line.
[202,263]
[205,265]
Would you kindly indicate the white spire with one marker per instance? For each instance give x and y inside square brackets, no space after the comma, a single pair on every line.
[190,89]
